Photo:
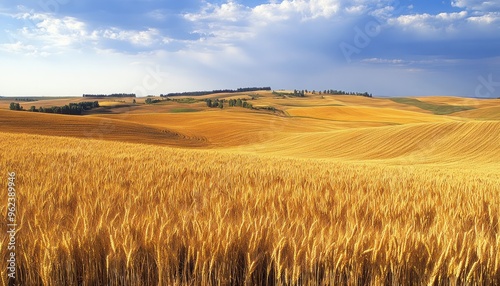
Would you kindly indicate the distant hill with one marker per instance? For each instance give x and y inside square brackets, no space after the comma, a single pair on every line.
[110,95]
[207,92]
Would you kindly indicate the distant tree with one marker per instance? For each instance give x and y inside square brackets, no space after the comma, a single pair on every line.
[73,109]
[15,106]
[206,92]
[65,109]
[56,109]
[33,109]
[110,95]
[133,101]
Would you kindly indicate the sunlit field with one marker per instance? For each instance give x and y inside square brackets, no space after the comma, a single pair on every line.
[326,190]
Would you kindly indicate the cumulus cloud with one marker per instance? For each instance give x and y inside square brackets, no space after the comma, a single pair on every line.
[52,31]
[479,5]
[429,23]
[486,19]
[52,34]
[297,8]
[300,10]
[142,38]
[230,11]
[23,49]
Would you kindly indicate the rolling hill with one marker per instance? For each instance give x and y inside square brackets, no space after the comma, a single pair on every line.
[330,190]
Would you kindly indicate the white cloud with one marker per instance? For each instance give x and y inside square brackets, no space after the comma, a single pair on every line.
[403,62]
[271,12]
[486,19]
[58,32]
[477,5]
[231,22]
[357,9]
[158,15]
[384,61]
[47,34]
[142,38]
[297,8]
[428,19]
[22,49]
[430,24]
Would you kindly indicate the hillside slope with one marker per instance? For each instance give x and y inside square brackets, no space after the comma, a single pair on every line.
[96,212]
[92,128]
[446,142]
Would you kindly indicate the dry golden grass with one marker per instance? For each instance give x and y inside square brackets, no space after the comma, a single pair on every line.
[430,143]
[57,101]
[358,194]
[464,101]
[107,213]
[232,127]
[366,114]
[106,103]
[93,128]
[486,113]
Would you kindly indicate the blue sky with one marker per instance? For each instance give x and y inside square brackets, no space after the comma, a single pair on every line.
[386,47]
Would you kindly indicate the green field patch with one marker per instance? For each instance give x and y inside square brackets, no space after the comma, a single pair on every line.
[182,110]
[188,100]
[311,105]
[438,109]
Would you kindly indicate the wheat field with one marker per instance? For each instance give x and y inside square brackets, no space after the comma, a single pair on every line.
[234,197]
